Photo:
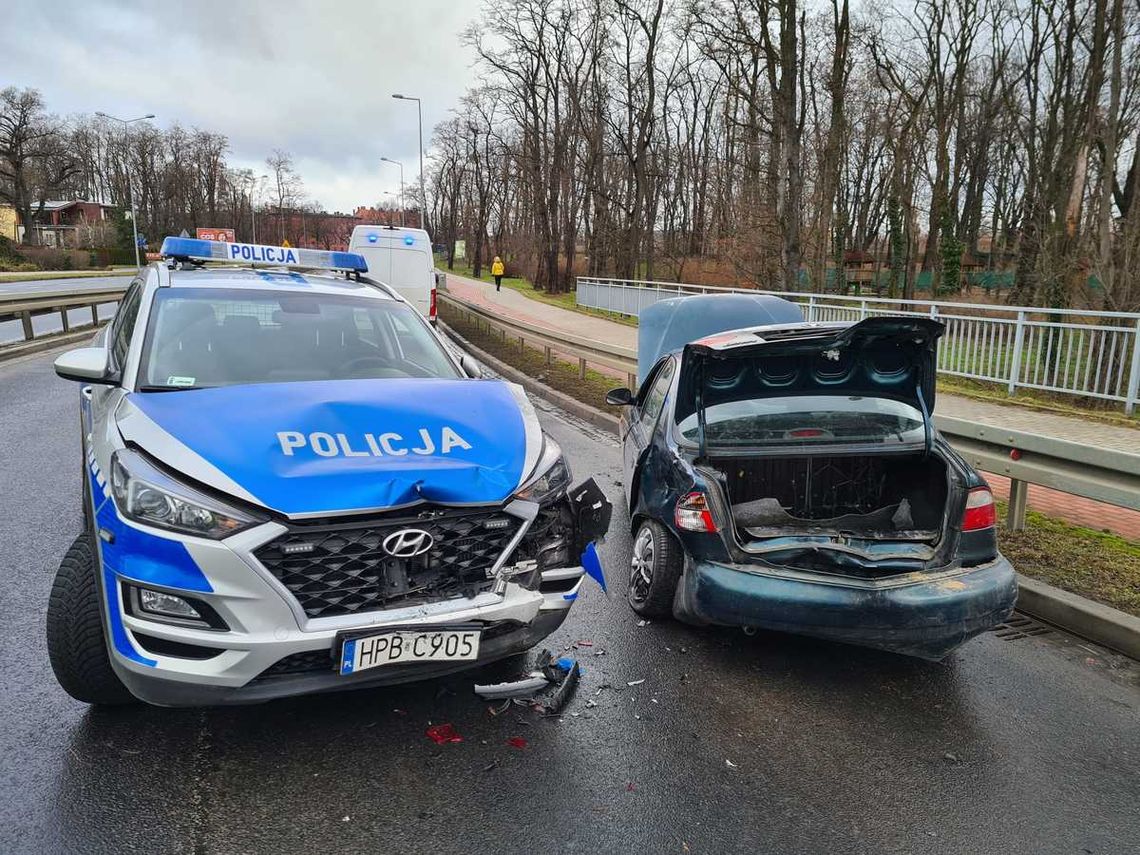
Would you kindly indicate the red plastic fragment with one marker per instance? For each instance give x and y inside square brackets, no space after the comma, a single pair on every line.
[442,734]
[517,742]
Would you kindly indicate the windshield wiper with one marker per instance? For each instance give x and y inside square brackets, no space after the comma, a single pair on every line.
[169,388]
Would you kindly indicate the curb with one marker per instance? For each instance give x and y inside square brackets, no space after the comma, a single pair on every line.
[1086,618]
[596,417]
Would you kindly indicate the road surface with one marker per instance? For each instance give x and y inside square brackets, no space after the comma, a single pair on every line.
[766,744]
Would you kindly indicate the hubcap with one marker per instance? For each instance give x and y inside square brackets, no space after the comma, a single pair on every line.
[641,567]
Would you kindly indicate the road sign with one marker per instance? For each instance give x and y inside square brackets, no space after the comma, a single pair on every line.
[226,235]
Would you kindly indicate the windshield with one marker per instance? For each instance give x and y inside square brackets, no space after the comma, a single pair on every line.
[200,337]
[808,420]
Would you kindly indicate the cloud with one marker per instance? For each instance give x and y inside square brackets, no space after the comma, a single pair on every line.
[313,78]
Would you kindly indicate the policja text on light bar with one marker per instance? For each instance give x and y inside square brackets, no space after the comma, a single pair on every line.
[279,256]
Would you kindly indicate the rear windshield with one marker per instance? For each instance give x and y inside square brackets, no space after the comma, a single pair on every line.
[199,337]
[808,420]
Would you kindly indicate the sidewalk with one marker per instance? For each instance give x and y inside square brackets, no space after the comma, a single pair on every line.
[1073,509]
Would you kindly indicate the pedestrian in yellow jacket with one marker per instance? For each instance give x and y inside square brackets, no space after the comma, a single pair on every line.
[497,272]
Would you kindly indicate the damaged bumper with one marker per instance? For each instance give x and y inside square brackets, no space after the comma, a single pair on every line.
[274,647]
[924,615]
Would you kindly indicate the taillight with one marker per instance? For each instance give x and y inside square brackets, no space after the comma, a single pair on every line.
[692,513]
[979,510]
[431,309]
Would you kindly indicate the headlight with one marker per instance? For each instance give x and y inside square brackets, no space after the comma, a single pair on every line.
[147,495]
[552,475]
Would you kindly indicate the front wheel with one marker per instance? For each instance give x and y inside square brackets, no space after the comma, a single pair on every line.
[75,641]
[654,570]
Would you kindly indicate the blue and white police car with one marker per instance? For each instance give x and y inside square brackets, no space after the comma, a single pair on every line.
[293,484]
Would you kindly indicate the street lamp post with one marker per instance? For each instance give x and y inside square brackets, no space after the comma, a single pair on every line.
[423,193]
[402,207]
[254,193]
[130,191]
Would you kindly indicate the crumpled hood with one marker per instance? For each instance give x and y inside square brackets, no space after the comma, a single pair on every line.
[336,446]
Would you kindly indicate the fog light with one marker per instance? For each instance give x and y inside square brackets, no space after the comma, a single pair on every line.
[160,603]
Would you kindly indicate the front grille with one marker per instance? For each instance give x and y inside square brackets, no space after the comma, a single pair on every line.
[340,568]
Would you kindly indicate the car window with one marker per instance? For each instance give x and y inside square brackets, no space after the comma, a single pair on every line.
[199,337]
[806,420]
[655,394]
[413,345]
[124,325]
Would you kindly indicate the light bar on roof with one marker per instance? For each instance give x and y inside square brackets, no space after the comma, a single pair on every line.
[253,253]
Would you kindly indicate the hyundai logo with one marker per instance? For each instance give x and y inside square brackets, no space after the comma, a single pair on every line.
[407,543]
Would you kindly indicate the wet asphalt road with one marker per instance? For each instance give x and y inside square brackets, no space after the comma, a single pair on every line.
[732,744]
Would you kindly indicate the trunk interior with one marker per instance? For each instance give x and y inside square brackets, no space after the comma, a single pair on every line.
[897,498]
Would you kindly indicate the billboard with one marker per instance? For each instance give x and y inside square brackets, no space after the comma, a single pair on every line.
[226,235]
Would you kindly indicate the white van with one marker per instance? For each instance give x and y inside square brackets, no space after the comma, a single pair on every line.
[399,257]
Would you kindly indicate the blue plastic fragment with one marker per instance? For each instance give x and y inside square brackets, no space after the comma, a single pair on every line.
[592,564]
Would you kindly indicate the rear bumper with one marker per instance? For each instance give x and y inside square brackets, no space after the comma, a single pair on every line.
[925,617]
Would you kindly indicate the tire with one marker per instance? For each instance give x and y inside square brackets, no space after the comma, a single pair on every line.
[76,644]
[654,570]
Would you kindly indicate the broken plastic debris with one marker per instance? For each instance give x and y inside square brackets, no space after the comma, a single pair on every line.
[635,682]
[517,742]
[517,688]
[730,764]
[581,643]
[546,689]
[441,734]
[565,685]
[643,623]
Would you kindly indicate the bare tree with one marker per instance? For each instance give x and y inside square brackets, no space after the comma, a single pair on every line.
[36,161]
[287,186]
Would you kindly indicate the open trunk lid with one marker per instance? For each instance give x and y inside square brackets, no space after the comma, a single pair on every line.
[883,357]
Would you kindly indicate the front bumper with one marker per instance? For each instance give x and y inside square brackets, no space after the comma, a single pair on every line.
[923,615]
[160,687]
[243,671]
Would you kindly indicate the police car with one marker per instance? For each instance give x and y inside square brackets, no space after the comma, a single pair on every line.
[292,484]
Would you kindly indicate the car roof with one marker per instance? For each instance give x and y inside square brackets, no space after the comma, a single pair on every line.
[274,279]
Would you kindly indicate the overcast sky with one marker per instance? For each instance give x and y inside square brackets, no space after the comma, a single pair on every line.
[313,78]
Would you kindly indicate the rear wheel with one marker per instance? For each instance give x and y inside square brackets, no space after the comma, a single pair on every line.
[654,570]
[76,645]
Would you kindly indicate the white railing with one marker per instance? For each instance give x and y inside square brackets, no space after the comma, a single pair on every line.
[1082,353]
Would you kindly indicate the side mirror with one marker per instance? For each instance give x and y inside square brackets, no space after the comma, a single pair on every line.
[470,367]
[619,398]
[87,365]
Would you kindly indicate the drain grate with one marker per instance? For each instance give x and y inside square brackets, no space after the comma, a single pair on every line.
[1019,626]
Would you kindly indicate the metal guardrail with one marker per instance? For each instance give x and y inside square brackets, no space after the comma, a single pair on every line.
[22,307]
[585,350]
[1104,475]
[1082,353]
